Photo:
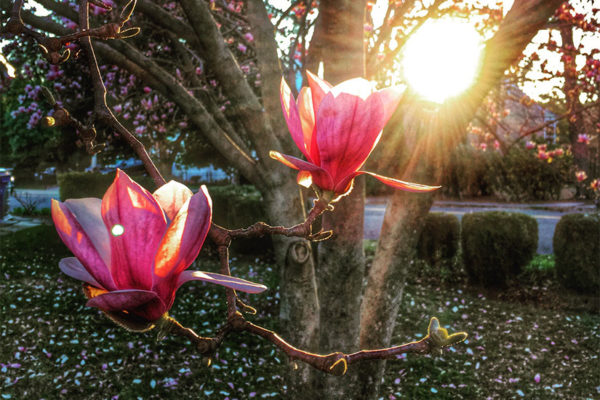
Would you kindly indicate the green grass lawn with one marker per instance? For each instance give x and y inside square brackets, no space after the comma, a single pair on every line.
[52,346]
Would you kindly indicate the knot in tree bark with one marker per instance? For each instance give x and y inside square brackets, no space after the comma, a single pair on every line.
[300,252]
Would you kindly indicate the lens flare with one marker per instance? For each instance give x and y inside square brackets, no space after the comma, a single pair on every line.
[442,58]
[117,230]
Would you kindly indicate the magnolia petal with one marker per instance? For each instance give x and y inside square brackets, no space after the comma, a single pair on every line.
[184,238]
[402,185]
[320,177]
[140,225]
[171,197]
[72,267]
[307,119]
[319,88]
[358,87]
[87,211]
[348,128]
[228,281]
[77,240]
[292,117]
[140,302]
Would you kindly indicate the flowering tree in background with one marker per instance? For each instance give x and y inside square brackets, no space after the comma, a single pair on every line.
[564,63]
[216,64]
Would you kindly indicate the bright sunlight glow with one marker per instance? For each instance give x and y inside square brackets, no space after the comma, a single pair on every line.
[442,58]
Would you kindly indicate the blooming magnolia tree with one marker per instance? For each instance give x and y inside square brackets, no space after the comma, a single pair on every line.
[225,81]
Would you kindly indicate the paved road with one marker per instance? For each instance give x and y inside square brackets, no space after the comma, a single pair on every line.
[546,219]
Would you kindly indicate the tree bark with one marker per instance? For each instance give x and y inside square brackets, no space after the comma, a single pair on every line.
[338,44]
[299,306]
[571,91]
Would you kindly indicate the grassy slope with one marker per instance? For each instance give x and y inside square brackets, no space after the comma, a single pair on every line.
[53,346]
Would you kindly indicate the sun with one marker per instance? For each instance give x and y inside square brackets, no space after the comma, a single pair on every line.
[442,58]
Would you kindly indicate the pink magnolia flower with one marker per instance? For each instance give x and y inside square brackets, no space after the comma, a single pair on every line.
[542,155]
[581,176]
[336,128]
[132,248]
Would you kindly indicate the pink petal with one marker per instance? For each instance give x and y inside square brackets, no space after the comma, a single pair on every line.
[223,280]
[307,119]
[292,117]
[320,177]
[319,88]
[348,128]
[171,197]
[395,183]
[140,302]
[73,268]
[143,224]
[88,213]
[77,240]
[182,243]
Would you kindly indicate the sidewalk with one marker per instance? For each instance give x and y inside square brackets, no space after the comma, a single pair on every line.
[11,224]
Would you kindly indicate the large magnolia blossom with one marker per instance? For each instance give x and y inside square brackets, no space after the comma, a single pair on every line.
[336,128]
[132,248]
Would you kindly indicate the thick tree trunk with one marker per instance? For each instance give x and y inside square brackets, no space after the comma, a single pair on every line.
[340,275]
[383,294]
[299,307]
[338,44]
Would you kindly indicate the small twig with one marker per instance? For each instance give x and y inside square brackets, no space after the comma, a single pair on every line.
[548,123]
[101,110]
[334,363]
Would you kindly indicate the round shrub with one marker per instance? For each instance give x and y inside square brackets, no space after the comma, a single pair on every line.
[497,245]
[438,243]
[577,251]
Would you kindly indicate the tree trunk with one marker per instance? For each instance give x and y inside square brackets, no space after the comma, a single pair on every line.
[383,294]
[299,307]
[338,44]
[571,91]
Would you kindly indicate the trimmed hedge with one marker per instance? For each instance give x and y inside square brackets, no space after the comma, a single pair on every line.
[74,185]
[497,245]
[577,250]
[439,240]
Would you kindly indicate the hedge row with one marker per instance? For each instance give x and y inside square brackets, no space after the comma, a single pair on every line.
[74,185]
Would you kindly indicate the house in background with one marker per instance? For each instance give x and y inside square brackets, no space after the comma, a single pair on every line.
[525,115]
